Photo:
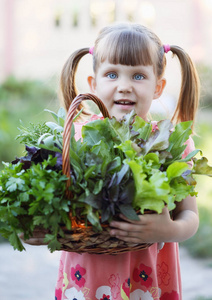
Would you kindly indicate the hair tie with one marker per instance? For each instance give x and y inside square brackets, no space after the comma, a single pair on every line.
[91,50]
[166,48]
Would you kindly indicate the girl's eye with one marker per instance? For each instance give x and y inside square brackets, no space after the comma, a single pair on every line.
[138,77]
[112,75]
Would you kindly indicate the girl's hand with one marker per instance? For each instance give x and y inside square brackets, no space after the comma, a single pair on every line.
[151,228]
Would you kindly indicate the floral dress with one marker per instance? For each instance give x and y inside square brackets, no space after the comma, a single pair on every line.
[141,275]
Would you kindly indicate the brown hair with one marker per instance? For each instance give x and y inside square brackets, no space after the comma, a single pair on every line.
[67,79]
[188,100]
[134,44]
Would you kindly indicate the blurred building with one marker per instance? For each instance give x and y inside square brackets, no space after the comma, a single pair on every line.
[37,36]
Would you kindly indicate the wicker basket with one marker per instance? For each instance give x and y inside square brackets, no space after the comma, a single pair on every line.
[83,238]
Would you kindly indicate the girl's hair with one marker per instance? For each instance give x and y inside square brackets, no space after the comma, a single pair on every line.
[134,44]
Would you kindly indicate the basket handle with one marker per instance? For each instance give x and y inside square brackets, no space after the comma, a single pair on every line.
[67,132]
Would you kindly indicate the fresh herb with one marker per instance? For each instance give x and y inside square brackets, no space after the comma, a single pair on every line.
[32,197]
[118,167]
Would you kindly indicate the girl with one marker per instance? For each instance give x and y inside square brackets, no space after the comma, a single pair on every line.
[129,62]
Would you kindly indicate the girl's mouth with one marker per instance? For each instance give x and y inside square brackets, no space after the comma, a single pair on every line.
[124,102]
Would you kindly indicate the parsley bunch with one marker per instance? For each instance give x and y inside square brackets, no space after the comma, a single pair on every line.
[30,198]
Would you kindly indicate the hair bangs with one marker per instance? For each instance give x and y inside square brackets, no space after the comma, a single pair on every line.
[128,48]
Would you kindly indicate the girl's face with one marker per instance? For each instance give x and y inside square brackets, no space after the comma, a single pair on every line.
[123,88]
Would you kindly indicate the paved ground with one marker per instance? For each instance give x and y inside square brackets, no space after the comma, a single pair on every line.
[196,277]
[28,275]
[31,275]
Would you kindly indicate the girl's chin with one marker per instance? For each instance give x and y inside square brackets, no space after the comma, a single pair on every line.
[120,114]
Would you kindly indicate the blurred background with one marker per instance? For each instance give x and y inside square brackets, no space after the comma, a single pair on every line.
[37,37]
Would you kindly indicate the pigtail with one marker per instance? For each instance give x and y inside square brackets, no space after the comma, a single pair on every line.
[67,79]
[188,101]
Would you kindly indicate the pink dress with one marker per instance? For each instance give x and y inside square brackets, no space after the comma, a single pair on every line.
[142,275]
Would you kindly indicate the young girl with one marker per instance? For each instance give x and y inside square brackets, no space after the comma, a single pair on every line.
[129,62]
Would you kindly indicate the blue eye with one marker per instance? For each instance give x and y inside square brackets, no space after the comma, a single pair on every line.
[112,75]
[138,77]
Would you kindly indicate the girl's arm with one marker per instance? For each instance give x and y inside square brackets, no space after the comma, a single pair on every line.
[186,218]
[152,228]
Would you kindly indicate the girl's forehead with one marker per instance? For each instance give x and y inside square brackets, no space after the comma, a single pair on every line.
[107,64]
[131,50]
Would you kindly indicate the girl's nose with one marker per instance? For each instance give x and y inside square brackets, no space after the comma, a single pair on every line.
[124,86]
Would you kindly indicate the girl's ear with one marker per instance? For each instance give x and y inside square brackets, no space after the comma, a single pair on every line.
[159,88]
[92,83]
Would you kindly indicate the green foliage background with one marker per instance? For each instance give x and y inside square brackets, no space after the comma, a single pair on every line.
[23,100]
[26,100]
